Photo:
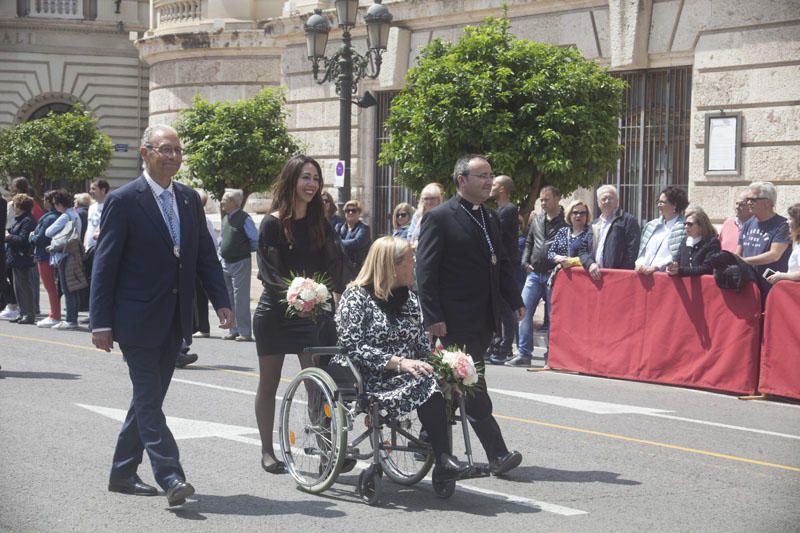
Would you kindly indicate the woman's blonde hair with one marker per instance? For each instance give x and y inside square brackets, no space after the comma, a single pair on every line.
[430,189]
[571,207]
[399,208]
[379,267]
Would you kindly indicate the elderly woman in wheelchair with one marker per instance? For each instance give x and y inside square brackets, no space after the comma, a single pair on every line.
[379,325]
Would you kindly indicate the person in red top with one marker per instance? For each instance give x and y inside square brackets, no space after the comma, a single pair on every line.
[729,234]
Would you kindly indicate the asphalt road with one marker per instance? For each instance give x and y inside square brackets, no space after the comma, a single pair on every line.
[599,454]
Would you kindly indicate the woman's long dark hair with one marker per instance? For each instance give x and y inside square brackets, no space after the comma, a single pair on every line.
[283,196]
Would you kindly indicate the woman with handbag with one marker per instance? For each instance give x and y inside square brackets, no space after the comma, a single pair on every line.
[19,257]
[66,229]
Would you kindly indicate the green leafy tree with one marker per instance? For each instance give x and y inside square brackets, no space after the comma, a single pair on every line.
[541,113]
[64,147]
[241,145]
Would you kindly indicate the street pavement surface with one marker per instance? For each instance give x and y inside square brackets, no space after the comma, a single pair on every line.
[599,454]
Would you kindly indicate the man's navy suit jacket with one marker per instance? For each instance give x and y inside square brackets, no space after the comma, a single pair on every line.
[137,281]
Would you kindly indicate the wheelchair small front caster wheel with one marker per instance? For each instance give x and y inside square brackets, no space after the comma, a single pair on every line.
[443,488]
[369,485]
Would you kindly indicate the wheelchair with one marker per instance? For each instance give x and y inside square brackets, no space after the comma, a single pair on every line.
[318,412]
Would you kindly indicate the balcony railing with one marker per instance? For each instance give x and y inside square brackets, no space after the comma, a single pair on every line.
[177,12]
[55,9]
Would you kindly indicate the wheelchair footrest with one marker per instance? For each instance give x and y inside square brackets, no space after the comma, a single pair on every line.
[478,470]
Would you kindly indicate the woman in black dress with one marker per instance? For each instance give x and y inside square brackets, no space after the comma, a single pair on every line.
[295,239]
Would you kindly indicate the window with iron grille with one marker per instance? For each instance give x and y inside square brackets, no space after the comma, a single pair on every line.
[387,193]
[654,131]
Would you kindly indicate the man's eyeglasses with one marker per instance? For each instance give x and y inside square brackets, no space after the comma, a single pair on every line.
[401,215]
[483,176]
[166,151]
[751,201]
[580,213]
[350,211]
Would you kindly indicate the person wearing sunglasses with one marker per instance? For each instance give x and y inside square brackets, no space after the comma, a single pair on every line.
[401,220]
[355,234]
[330,210]
[764,241]
[694,255]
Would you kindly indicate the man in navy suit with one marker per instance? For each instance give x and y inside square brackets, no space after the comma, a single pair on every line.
[465,278]
[152,245]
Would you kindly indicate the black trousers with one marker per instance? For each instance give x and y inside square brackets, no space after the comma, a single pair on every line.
[479,404]
[433,416]
[200,321]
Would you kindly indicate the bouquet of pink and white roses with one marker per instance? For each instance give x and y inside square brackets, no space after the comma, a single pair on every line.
[455,367]
[307,297]
[457,373]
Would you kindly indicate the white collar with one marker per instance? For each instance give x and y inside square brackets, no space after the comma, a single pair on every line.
[155,187]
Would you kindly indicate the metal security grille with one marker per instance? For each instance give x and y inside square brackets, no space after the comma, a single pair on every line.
[387,193]
[654,130]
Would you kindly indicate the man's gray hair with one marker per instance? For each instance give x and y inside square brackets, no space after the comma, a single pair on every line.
[605,188]
[235,195]
[765,190]
[147,136]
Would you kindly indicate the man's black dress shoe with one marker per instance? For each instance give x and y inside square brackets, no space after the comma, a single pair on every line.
[30,319]
[178,491]
[132,485]
[185,359]
[497,359]
[504,463]
[448,468]
[16,319]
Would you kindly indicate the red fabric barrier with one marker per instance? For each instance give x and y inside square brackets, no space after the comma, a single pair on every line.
[678,331]
[780,346]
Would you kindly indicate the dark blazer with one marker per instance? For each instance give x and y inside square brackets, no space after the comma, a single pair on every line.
[696,260]
[19,250]
[41,241]
[356,242]
[137,281]
[457,284]
[622,242]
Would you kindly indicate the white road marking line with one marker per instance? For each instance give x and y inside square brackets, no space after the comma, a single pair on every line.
[606,408]
[727,426]
[589,406]
[538,504]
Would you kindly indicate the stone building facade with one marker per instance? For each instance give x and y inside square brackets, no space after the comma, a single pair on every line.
[54,53]
[683,59]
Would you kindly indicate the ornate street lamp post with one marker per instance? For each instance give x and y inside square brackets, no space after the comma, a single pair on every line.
[347,67]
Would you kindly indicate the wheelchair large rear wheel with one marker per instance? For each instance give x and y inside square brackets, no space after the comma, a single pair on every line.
[312,431]
[404,458]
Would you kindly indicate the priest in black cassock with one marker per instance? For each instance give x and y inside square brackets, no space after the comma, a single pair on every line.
[464,274]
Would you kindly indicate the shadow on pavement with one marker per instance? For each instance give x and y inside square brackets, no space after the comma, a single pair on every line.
[421,497]
[249,505]
[37,375]
[529,474]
